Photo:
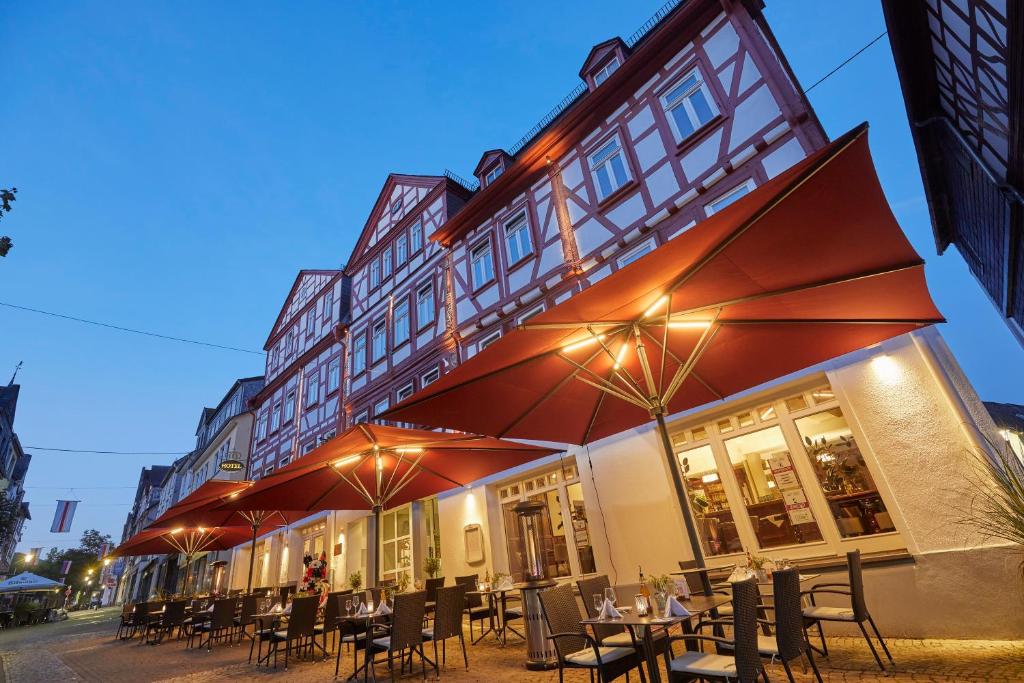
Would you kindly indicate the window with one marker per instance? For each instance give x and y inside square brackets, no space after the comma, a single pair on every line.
[374,274]
[330,435]
[385,259]
[333,375]
[380,341]
[607,70]
[359,353]
[311,321]
[289,405]
[488,340]
[310,445]
[275,417]
[493,174]
[430,376]
[268,470]
[635,253]
[284,461]
[415,237]
[396,206]
[729,197]
[517,239]
[608,168]
[313,388]
[328,303]
[404,393]
[380,406]
[401,249]
[424,305]
[563,522]
[482,264]
[689,105]
[396,543]
[536,310]
[261,427]
[400,322]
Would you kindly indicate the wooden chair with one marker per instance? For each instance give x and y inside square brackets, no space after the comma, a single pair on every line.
[576,649]
[744,666]
[856,613]
[301,623]
[404,634]
[448,606]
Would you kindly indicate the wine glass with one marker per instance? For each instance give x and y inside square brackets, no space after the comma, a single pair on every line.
[348,606]
[609,595]
[356,600]
[598,602]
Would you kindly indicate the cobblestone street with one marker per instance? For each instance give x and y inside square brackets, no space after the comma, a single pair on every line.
[83,649]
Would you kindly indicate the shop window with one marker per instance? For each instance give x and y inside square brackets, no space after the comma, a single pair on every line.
[396,543]
[564,522]
[849,488]
[776,502]
[709,502]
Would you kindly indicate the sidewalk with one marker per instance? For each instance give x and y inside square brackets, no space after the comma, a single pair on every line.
[83,649]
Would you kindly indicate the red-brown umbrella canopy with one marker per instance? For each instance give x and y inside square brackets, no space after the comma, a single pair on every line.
[807,267]
[377,466]
[200,509]
[185,540]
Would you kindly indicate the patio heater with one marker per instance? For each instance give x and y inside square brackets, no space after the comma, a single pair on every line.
[532,551]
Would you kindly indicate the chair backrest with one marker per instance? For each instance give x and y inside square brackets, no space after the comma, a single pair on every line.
[332,608]
[562,614]
[789,632]
[250,604]
[286,592]
[373,595]
[407,620]
[745,630]
[174,613]
[860,608]
[223,613]
[431,587]
[302,620]
[588,587]
[470,583]
[141,609]
[127,609]
[449,603]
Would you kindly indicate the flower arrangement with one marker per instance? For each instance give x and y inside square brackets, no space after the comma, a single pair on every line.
[660,584]
[314,579]
[355,580]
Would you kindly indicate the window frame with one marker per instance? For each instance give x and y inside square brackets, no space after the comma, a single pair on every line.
[604,70]
[375,278]
[421,321]
[359,349]
[492,276]
[289,405]
[749,185]
[410,386]
[594,167]
[668,107]
[494,173]
[333,375]
[387,264]
[381,326]
[396,341]
[312,392]
[623,260]
[488,339]
[401,249]
[520,222]
[416,241]
[275,416]
[433,373]
[396,205]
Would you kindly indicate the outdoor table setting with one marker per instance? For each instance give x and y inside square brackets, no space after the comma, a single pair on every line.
[359,613]
[643,626]
[497,602]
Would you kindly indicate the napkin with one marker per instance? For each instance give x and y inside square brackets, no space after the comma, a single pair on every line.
[362,610]
[674,608]
[740,574]
[382,609]
[608,610]
[288,609]
[276,609]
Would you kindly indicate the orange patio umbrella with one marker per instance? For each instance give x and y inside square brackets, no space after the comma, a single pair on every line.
[807,267]
[375,467]
[199,509]
[187,541]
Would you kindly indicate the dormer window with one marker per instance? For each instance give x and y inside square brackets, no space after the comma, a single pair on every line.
[602,74]
[493,174]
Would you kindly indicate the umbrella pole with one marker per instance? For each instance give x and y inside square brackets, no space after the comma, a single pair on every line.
[373,561]
[684,502]
[252,558]
[188,567]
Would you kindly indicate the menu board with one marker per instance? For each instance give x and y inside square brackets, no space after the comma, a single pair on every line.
[797,507]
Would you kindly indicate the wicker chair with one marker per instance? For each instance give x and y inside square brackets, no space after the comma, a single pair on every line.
[475,608]
[247,616]
[448,607]
[403,635]
[127,610]
[220,625]
[578,650]
[164,624]
[609,635]
[300,628]
[332,610]
[745,664]
[354,634]
[856,613]
[431,587]
[137,620]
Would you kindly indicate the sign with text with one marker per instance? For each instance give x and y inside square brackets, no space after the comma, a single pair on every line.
[232,465]
[782,470]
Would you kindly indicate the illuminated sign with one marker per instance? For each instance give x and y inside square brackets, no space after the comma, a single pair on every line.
[232,465]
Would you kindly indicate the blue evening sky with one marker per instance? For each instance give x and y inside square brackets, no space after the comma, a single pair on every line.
[179,162]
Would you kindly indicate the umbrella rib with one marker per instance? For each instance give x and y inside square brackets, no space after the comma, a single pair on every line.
[409,475]
[394,473]
[614,392]
[641,354]
[601,383]
[561,383]
[702,345]
[719,396]
[621,373]
[430,470]
[597,409]
[863,275]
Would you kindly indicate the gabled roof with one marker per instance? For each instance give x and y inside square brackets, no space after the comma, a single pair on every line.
[489,156]
[383,204]
[600,51]
[9,399]
[282,314]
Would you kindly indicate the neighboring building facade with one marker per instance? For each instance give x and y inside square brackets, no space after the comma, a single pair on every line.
[140,578]
[1009,419]
[14,462]
[963,82]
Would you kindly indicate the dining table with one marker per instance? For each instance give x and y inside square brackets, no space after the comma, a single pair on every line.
[643,627]
[497,602]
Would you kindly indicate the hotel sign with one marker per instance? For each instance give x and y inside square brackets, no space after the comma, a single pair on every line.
[232,465]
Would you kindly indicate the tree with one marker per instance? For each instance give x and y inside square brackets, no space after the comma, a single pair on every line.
[6,198]
[84,558]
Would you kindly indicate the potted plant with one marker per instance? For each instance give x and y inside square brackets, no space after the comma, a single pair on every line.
[355,580]
[660,586]
[432,566]
[996,509]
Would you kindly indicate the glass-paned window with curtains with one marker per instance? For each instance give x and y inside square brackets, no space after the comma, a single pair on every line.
[359,353]
[564,522]
[396,543]
[400,321]
[781,475]
[517,239]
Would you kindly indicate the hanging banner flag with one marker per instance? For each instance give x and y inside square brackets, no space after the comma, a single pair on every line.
[63,516]
[65,568]
[33,555]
